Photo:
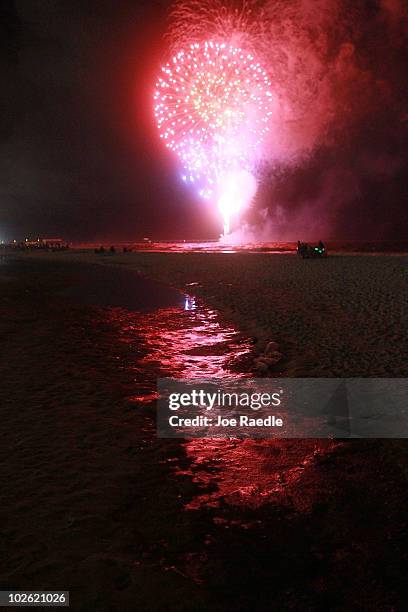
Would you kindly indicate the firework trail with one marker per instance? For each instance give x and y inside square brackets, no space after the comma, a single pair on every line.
[241,23]
[214,100]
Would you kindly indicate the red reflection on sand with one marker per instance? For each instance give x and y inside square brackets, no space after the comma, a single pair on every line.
[253,472]
[194,343]
[190,343]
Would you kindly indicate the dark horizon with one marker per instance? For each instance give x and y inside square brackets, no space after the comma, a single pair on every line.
[81,157]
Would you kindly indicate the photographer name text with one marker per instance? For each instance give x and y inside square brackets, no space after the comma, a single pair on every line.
[241,421]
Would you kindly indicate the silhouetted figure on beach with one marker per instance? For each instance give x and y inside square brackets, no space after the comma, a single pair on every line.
[302,249]
[112,249]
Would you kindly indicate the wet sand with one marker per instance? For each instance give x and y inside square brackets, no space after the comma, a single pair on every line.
[92,501]
[342,316]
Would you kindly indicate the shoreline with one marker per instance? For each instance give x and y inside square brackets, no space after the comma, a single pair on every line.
[306,318]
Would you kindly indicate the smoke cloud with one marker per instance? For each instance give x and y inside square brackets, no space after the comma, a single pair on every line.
[336,160]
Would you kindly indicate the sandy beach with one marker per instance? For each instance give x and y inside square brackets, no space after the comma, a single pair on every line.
[93,502]
[343,316]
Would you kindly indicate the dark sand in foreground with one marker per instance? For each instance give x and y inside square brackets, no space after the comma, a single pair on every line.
[90,501]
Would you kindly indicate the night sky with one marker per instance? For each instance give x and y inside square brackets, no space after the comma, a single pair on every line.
[81,158]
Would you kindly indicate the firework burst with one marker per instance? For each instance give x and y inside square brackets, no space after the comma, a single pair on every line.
[212,106]
[213,101]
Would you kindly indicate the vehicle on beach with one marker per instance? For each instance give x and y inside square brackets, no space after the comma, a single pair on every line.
[308,251]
